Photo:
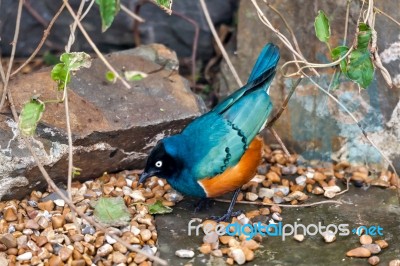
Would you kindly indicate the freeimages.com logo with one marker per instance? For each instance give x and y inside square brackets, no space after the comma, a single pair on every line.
[280,229]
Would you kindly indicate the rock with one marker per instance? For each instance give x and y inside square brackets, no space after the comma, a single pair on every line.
[184,253]
[118,257]
[308,117]
[102,135]
[374,260]
[25,256]
[359,252]
[8,240]
[238,255]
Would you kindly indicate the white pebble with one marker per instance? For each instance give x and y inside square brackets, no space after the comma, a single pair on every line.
[184,253]
[25,256]
[329,236]
[110,240]
[301,180]
[59,202]
[238,255]
[299,237]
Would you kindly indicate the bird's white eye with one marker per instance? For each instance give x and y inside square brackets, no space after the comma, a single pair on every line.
[158,164]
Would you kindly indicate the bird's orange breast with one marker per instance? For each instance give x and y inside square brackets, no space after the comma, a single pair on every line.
[234,177]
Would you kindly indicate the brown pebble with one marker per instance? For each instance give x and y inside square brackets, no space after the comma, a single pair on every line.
[359,252]
[55,261]
[319,176]
[250,244]
[365,239]
[273,177]
[276,208]
[205,248]
[225,239]
[248,254]
[118,257]
[139,258]
[65,253]
[217,253]
[46,205]
[121,181]
[10,214]
[229,261]
[41,240]
[374,260]
[12,251]
[31,224]
[57,221]
[394,262]
[78,263]
[264,211]
[8,240]
[382,243]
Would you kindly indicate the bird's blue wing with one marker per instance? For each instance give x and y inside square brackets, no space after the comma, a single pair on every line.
[218,139]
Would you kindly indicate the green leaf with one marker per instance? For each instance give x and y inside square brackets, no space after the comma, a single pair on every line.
[108,10]
[322,28]
[360,68]
[364,36]
[110,77]
[69,62]
[159,208]
[75,60]
[165,4]
[30,116]
[112,212]
[134,75]
[339,52]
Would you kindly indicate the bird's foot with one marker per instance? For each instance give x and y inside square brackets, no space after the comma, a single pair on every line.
[202,204]
[227,216]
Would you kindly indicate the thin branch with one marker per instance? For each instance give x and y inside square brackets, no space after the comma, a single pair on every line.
[131,14]
[260,203]
[346,24]
[14,47]
[94,47]
[71,40]
[46,33]
[219,43]
[284,104]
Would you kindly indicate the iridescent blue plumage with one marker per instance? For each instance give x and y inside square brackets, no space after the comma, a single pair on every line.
[218,139]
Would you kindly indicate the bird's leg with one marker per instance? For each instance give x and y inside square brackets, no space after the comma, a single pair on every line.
[203,203]
[229,213]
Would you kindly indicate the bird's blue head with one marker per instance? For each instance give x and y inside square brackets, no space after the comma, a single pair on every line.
[162,162]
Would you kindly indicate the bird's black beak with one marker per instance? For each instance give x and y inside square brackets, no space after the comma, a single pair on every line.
[144,176]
